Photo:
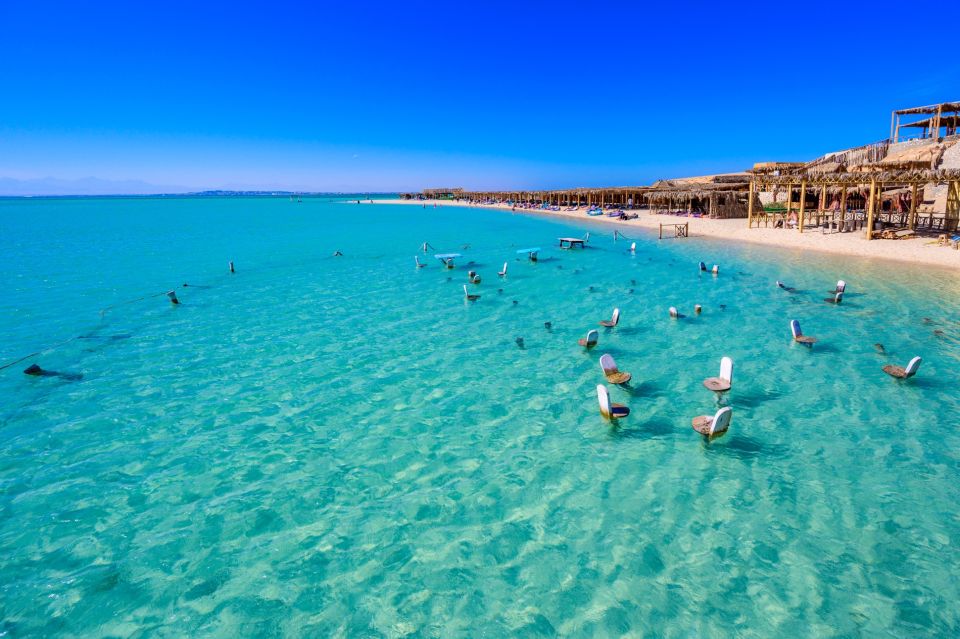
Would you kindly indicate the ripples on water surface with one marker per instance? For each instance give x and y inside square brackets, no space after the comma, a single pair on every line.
[327,446]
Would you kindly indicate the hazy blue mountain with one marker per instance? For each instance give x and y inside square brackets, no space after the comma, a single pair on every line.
[84,186]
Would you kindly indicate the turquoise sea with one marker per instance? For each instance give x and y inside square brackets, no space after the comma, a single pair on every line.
[324,446]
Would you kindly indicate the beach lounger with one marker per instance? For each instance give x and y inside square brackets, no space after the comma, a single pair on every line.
[474,277]
[613,321]
[840,288]
[713,426]
[447,258]
[613,374]
[608,409]
[417,260]
[836,299]
[468,295]
[798,335]
[903,373]
[533,253]
[590,340]
[724,381]
[675,314]
[503,273]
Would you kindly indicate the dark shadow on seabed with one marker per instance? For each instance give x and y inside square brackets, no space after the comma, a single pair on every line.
[742,447]
[646,430]
[35,371]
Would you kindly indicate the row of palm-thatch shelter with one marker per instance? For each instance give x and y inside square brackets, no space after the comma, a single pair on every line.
[899,184]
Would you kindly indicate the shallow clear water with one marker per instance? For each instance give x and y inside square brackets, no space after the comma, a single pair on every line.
[321,446]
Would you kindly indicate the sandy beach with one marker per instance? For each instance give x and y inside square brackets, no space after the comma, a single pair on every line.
[921,250]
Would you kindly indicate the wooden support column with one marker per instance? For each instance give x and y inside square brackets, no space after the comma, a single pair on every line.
[843,207]
[750,203]
[871,204]
[952,215]
[913,207]
[803,204]
[789,203]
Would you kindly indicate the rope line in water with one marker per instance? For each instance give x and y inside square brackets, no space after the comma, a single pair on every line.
[103,311]
[40,352]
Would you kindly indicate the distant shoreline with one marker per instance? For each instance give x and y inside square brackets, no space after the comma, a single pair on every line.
[211,194]
[923,250]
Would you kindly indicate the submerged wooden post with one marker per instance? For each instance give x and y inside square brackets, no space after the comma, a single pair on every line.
[803,203]
[750,203]
[913,207]
[870,207]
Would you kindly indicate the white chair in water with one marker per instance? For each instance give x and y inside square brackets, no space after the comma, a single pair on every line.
[468,295]
[724,381]
[674,313]
[836,299]
[590,340]
[417,260]
[608,409]
[798,335]
[713,426]
[474,277]
[503,273]
[613,374]
[903,373]
[715,270]
[633,247]
[173,297]
[841,287]
[614,319]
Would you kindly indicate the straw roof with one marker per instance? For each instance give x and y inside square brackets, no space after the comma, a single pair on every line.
[770,167]
[930,109]
[704,180]
[827,167]
[664,191]
[918,156]
[945,120]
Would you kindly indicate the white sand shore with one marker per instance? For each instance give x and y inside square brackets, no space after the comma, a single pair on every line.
[922,250]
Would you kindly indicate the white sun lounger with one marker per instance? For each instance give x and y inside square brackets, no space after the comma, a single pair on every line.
[608,409]
[724,381]
[903,373]
[713,426]
[798,335]
[590,340]
[614,319]
[613,374]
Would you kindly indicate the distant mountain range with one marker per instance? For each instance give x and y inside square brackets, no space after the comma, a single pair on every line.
[53,187]
[84,186]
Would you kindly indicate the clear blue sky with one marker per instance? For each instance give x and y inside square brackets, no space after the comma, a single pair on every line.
[406,95]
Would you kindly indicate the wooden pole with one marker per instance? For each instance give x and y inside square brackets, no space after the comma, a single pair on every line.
[750,203]
[952,214]
[870,208]
[789,201]
[913,207]
[803,203]
[843,206]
